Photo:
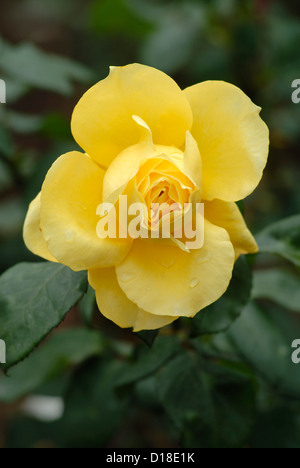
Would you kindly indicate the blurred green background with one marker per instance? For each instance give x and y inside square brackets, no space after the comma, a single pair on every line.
[51,51]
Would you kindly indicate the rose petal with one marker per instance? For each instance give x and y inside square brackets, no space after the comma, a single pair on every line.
[115,306]
[32,232]
[102,121]
[164,280]
[228,216]
[232,138]
[71,194]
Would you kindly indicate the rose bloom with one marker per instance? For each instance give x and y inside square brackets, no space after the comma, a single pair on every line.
[145,138]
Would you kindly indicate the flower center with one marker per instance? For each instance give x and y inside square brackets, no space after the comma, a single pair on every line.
[164,188]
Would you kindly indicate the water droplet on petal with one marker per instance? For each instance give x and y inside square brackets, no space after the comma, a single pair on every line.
[70,236]
[168,265]
[194,282]
[81,205]
[125,277]
[204,259]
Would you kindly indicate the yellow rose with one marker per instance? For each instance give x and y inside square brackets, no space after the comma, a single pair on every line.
[147,139]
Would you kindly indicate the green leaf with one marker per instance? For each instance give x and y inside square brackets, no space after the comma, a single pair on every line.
[33,67]
[93,410]
[279,286]
[24,123]
[5,177]
[12,215]
[279,428]
[12,251]
[171,46]
[182,390]
[34,299]
[56,126]
[87,306]
[14,90]
[148,336]
[24,432]
[220,315]
[262,343]
[117,16]
[146,394]
[282,238]
[150,360]
[217,346]
[6,143]
[213,408]
[61,351]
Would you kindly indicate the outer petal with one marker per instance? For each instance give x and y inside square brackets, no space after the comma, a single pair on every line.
[232,138]
[71,194]
[32,233]
[164,280]
[228,216]
[102,121]
[115,306]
